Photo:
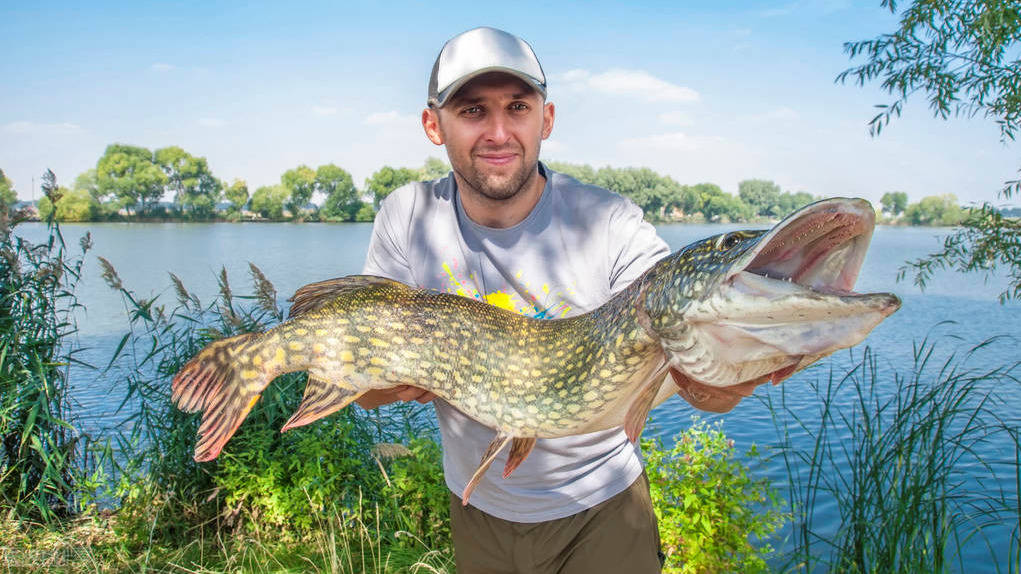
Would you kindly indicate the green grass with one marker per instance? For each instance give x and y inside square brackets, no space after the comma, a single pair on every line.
[899,458]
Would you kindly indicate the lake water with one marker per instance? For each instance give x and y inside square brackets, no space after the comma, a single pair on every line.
[957,311]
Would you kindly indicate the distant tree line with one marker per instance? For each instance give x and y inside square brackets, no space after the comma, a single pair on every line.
[663,199]
[130,183]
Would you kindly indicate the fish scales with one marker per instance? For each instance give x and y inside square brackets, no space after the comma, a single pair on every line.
[525,376]
[740,308]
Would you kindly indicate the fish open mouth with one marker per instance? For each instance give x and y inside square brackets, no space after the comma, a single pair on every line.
[787,301]
[821,247]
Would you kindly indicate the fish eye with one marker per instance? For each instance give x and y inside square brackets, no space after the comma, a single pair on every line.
[729,241]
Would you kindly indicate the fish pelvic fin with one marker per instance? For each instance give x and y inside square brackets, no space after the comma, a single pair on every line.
[520,449]
[315,296]
[222,382]
[322,398]
[488,457]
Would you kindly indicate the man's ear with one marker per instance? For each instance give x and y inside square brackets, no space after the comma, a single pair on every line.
[431,125]
[548,112]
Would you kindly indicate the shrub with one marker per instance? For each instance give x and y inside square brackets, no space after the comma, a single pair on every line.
[710,510]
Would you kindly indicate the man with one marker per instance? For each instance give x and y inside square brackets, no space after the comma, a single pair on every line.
[504,228]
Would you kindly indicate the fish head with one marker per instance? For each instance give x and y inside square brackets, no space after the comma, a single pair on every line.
[748,307]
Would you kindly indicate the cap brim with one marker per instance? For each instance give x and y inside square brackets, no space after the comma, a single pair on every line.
[444,96]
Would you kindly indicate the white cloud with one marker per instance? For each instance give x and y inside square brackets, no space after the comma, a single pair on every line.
[636,83]
[391,118]
[673,141]
[161,67]
[34,128]
[211,122]
[675,118]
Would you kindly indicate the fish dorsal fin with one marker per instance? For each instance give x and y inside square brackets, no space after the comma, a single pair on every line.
[321,398]
[317,295]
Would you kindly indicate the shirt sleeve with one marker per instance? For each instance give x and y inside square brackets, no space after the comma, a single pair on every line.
[388,247]
[634,246]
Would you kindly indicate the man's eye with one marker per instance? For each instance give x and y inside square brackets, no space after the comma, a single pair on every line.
[519,107]
[472,111]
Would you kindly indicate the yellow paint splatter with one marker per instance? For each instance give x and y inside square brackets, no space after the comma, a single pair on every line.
[500,299]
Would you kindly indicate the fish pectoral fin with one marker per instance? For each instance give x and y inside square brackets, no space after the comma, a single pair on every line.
[321,398]
[520,448]
[702,396]
[492,450]
[638,412]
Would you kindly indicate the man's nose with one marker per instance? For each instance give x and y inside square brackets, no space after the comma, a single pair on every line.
[497,128]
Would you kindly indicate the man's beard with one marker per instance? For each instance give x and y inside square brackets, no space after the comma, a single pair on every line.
[498,187]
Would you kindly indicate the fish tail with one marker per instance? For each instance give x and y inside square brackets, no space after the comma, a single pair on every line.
[223,382]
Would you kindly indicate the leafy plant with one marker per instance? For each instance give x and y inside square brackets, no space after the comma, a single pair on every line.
[421,499]
[711,511]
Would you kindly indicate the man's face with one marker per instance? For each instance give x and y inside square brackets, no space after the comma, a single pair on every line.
[492,129]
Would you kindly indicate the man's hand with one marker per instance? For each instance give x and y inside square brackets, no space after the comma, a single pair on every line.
[380,397]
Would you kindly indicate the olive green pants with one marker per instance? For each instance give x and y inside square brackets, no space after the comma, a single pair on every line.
[619,535]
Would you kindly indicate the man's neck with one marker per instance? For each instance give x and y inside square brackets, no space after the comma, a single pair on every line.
[501,213]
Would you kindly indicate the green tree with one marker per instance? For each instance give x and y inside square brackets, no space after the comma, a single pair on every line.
[342,201]
[653,192]
[190,182]
[387,179]
[792,201]
[301,184]
[365,213]
[237,194]
[434,168]
[725,208]
[763,196]
[894,202]
[962,55]
[88,182]
[940,210]
[73,205]
[130,174]
[583,173]
[269,200]
[7,194]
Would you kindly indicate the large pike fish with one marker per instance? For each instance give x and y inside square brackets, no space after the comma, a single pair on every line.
[740,308]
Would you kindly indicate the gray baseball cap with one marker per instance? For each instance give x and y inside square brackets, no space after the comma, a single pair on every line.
[476,52]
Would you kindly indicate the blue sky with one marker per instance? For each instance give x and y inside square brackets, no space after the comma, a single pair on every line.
[714,91]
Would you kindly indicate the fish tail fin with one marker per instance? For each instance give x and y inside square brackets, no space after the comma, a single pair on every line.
[223,383]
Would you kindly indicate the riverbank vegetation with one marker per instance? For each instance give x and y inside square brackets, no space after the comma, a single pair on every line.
[130,183]
[363,491]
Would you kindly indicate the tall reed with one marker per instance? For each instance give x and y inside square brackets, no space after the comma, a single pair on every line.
[40,449]
[900,458]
